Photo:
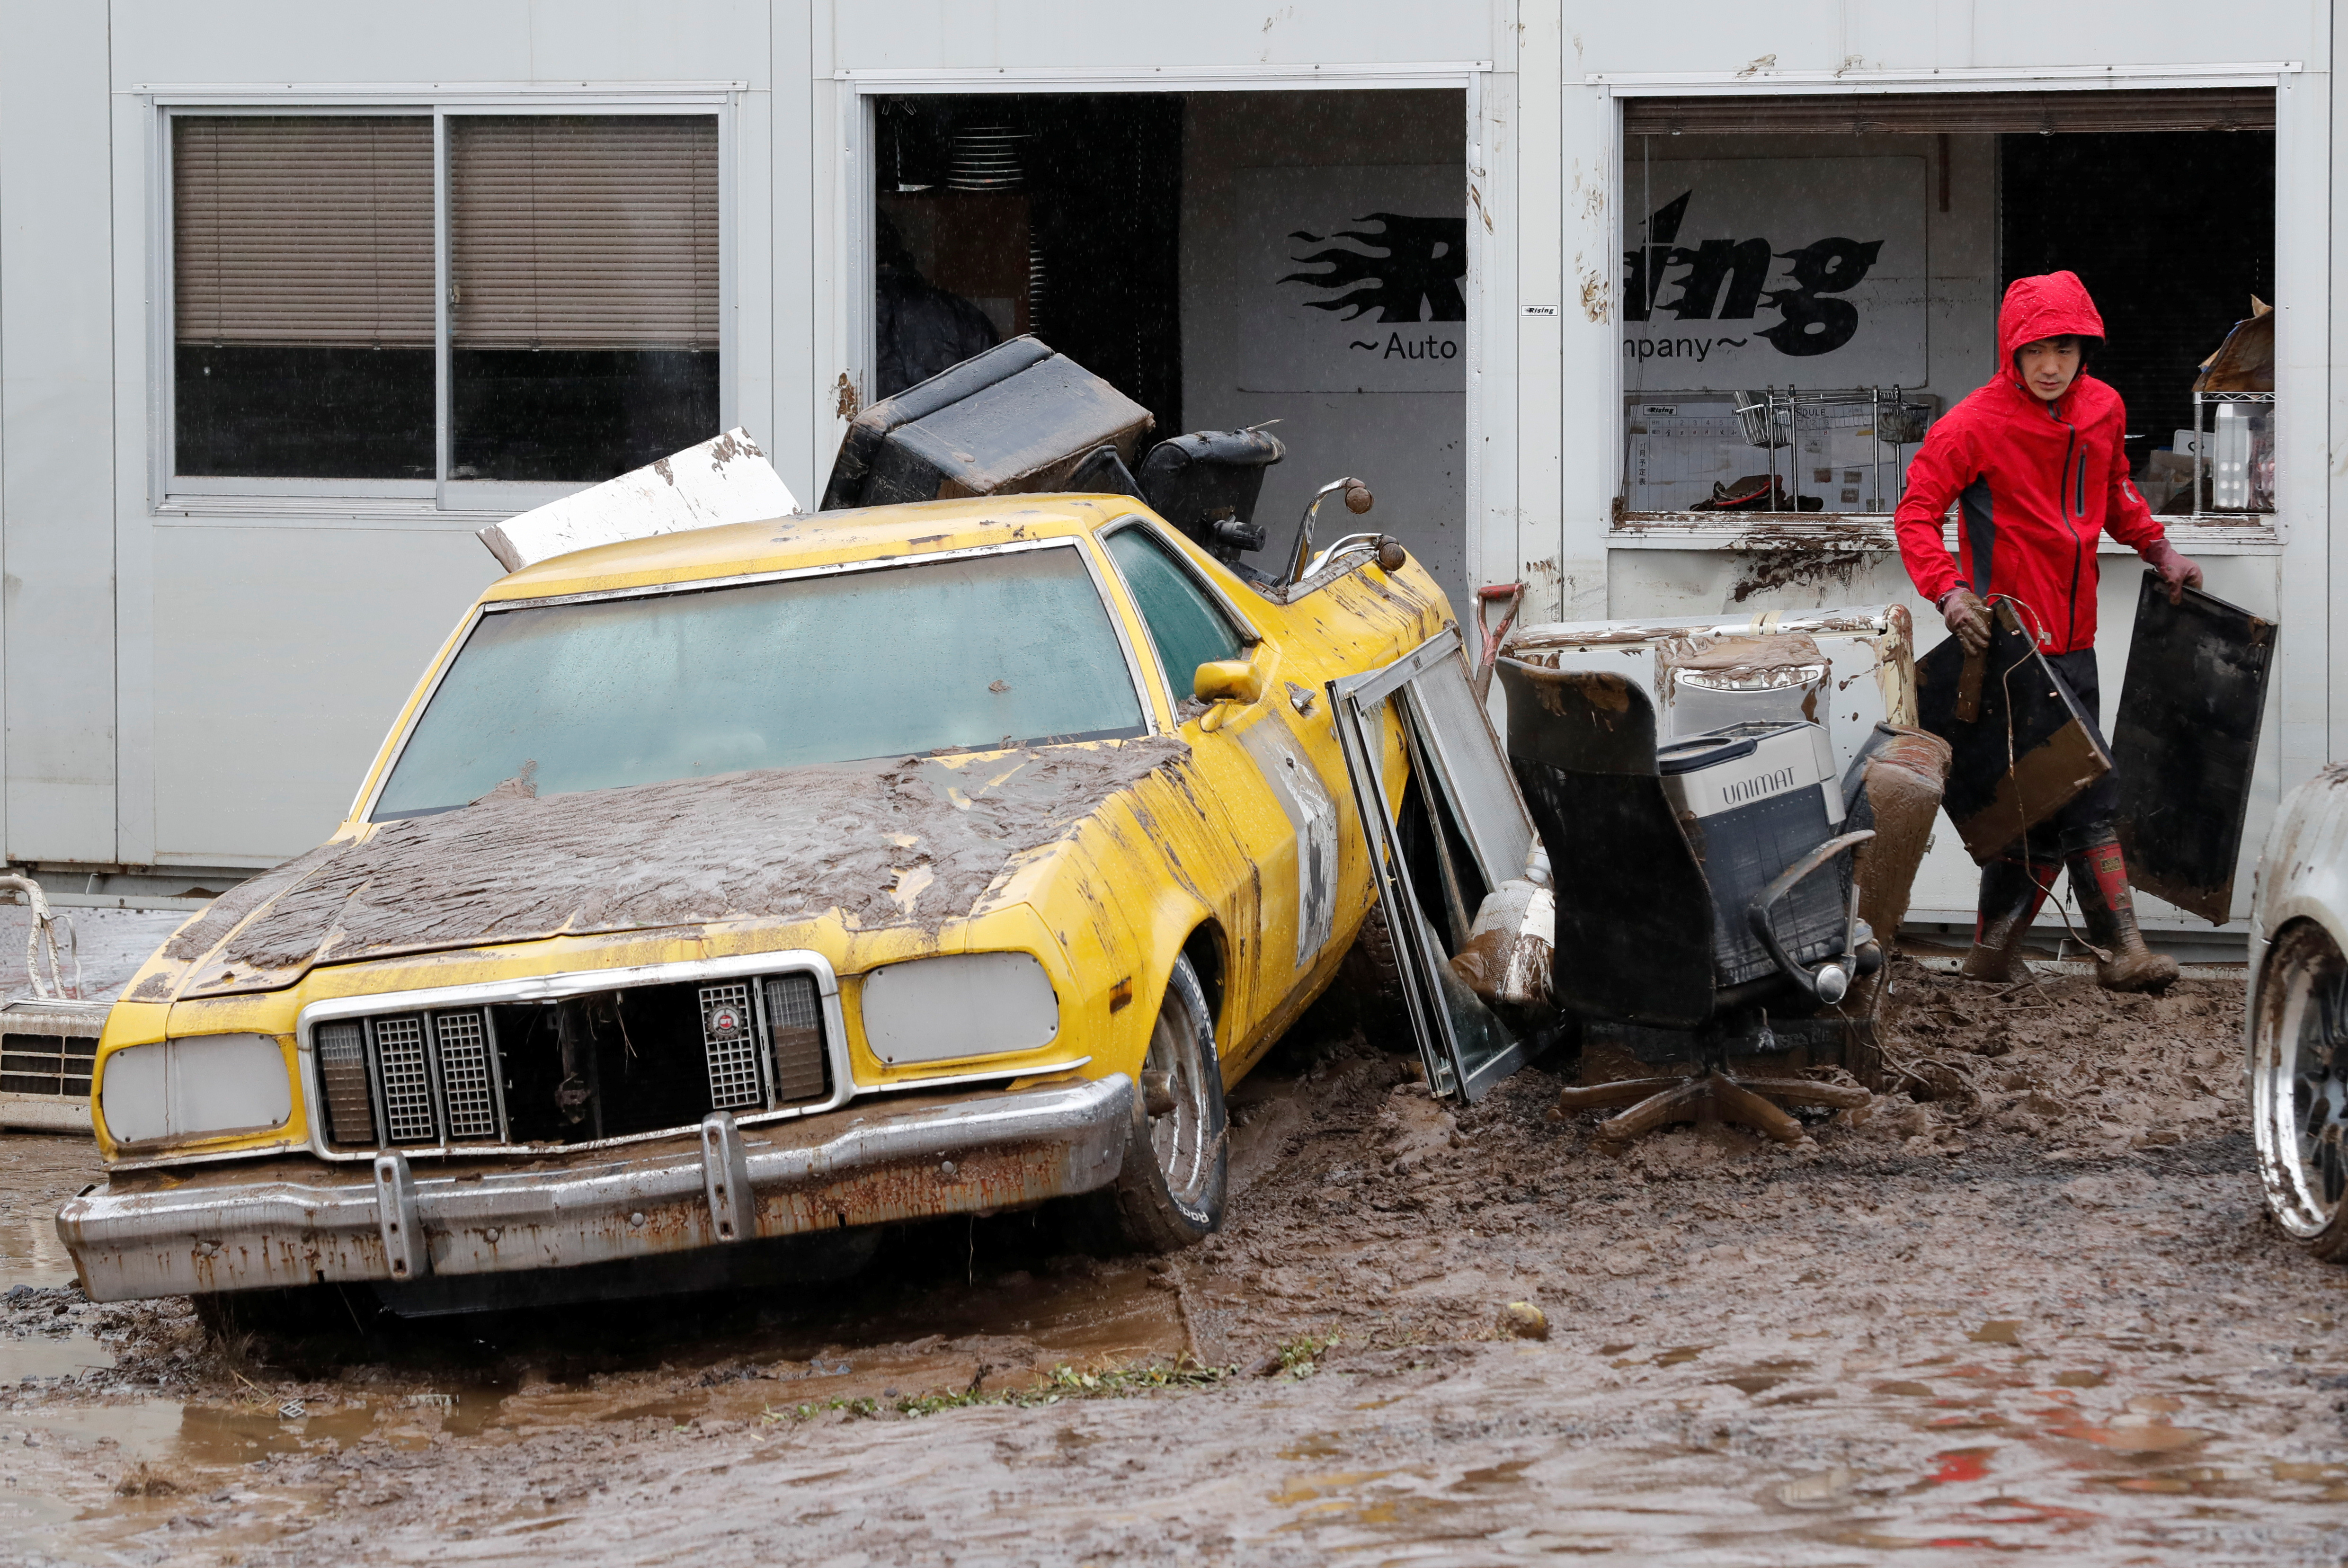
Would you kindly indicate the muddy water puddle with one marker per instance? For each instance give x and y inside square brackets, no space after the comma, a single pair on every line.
[2044,1469]
[30,1253]
[94,1464]
[2099,1356]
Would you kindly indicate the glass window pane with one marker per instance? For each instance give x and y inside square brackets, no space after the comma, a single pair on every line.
[583,298]
[1188,627]
[980,653]
[301,297]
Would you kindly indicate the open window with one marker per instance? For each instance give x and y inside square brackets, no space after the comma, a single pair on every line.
[1810,282]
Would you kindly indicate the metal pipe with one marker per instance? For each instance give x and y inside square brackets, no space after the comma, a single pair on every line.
[1357,501]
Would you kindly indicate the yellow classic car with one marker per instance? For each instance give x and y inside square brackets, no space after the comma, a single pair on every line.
[767,880]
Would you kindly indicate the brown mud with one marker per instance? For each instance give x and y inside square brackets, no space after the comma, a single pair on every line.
[782,843]
[2029,1304]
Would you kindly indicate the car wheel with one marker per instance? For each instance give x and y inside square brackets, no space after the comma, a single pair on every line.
[1369,988]
[2299,1087]
[1170,1193]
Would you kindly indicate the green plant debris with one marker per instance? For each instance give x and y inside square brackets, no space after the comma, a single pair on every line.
[1300,1358]
[1063,1382]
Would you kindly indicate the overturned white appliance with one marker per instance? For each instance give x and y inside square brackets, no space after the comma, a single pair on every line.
[724,479]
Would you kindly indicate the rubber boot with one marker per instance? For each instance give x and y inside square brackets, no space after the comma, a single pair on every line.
[2099,882]
[2012,888]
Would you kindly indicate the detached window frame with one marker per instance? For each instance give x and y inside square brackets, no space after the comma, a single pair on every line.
[1900,103]
[444,491]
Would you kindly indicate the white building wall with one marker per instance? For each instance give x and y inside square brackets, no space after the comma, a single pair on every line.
[56,434]
[203,685]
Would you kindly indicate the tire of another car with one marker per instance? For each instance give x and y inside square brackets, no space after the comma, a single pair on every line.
[2299,1086]
[1169,1193]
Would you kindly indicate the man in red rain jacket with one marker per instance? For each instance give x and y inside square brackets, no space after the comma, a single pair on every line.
[2036,467]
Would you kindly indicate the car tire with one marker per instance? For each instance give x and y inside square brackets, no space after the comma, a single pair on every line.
[1369,985]
[1169,1193]
[2299,1087]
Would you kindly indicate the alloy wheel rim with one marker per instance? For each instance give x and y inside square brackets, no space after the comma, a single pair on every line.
[2319,1095]
[1178,1138]
[2303,1119]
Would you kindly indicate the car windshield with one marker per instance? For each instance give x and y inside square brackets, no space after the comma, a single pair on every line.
[973,653]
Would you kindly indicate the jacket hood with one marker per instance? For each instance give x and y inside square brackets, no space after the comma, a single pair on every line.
[2052,305]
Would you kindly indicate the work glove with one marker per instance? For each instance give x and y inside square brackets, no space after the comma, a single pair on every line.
[2175,571]
[1967,618]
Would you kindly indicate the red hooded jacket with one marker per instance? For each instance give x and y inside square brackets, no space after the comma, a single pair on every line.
[2035,482]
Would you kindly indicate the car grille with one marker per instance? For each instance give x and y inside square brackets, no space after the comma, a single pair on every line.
[608,1063]
[47,1063]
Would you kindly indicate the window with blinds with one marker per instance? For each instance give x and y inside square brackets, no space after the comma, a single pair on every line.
[1809,281]
[301,297]
[583,305]
[582,316]
[573,232]
[313,230]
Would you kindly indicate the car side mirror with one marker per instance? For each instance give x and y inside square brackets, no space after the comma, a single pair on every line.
[1227,680]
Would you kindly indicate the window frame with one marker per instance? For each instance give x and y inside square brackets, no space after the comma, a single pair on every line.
[168,491]
[2256,534]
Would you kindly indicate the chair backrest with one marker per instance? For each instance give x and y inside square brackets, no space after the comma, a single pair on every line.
[1635,914]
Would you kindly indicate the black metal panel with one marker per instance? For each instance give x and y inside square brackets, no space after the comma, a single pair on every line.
[2186,743]
[2027,753]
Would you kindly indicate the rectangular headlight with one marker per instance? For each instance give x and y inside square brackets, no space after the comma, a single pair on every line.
[200,1087]
[962,1005]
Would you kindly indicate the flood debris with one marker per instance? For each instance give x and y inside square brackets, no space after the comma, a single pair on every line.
[2185,743]
[1772,560]
[1523,1320]
[725,479]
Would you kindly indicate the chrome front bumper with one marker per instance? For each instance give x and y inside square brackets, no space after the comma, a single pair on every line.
[869,1163]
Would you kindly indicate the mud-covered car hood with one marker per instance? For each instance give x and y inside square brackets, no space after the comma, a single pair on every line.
[917,841]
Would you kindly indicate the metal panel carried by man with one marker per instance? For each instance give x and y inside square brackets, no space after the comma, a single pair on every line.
[2035,463]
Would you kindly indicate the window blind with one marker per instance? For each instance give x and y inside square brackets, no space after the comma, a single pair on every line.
[579,232]
[302,229]
[2119,109]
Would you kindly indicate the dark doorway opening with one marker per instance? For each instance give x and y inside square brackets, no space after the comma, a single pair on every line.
[2172,232]
[1056,214]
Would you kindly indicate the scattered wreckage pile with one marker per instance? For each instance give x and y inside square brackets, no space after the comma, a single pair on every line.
[622,1012]
[1733,843]
[1698,936]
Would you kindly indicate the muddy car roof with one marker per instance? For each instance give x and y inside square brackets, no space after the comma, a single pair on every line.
[875,533]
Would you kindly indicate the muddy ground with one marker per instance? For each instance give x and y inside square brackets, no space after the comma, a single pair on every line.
[2032,1306]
